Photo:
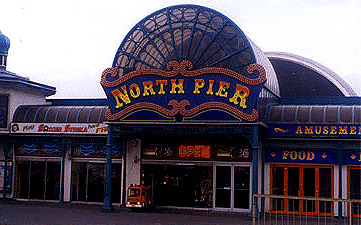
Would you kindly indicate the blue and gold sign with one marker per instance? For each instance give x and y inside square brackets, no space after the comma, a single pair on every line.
[314,130]
[182,94]
[300,156]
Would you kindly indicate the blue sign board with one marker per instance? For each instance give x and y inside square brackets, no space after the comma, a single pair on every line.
[314,130]
[300,156]
[182,94]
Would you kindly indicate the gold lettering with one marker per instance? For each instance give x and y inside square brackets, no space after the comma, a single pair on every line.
[308,130]
[299,130]
[359,130]
[210,88]
[352,130]
[285,154]
[302,155]
[333,130]
[325,130]
[137,90]
[179,86]
[148,86]
[318,129]
[198,84]
[342,130]
[241,92]
[223,86]
[293,155]
[161,84]
[123,96]
[310,156]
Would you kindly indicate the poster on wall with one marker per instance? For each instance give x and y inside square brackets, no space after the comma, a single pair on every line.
[8,176]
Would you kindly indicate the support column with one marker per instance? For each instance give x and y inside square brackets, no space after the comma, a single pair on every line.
[6,152]
[255,170]
[107,206]
[63,151]
[340,159]
[124,185]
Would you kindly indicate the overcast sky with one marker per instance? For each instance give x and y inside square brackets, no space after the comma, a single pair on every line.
[67,44]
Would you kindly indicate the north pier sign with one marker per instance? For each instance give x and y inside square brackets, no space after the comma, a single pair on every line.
[182,94]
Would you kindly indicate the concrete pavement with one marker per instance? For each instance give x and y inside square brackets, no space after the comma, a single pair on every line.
[22,213]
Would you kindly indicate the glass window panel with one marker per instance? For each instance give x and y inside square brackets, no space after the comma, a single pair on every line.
[223,186]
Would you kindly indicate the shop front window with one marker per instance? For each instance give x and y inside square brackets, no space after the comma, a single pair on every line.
[38,180]
[183,186]
[88,182]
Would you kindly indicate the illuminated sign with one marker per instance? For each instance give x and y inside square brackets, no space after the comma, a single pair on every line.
[179,94]
[194,151]
[239,153]
[314,130]
[59,128]
[300,156]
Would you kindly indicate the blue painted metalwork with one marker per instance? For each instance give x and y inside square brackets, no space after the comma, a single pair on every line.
[184,32]
[107,206]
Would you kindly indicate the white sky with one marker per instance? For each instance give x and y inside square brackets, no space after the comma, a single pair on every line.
[68,43]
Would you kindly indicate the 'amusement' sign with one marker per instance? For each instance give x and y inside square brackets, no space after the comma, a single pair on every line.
[180,94]
[314,130]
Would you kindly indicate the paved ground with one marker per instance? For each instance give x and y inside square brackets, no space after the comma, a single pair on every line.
[51,213]
[26,213]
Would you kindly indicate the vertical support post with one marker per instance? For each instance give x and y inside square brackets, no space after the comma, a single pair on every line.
[255,169]
[63,151]
[6,152]
[263,175]
[124,191]
[340,159]
[107,206]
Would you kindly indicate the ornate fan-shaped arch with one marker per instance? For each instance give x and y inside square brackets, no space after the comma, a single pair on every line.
[185,32]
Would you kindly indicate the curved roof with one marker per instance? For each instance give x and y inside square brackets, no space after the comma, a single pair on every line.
[201,35]
[301,77]
[59,114]
[315,114]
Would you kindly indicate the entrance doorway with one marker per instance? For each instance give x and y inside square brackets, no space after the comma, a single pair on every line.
[38,180]
[180,185]
[88,182]
[302,181]
[354,189]
[232,188]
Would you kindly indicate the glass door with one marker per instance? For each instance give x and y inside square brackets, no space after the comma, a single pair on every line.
[302,181]
[232,187]
[241,187]
[354,189]
[223,186]
[308,188]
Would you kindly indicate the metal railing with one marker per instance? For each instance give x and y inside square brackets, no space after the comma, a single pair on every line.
[295,210]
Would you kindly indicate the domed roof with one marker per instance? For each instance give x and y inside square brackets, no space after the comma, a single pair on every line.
[4,44]
[294,72]
[195,33]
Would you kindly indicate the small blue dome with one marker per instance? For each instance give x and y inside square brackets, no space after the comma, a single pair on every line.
[4,44]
